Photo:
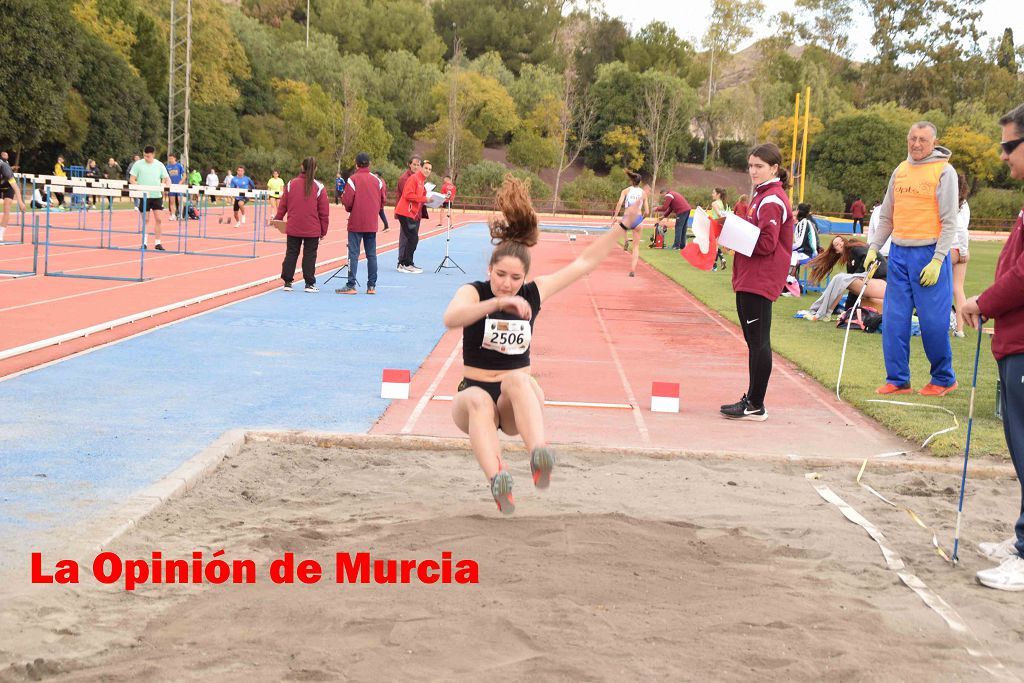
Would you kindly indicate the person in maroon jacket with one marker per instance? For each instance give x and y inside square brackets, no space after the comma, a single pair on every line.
[364,200]
[857,211]
[1004,301]
[409,211]
[758,279]
[674,204]
[308,208]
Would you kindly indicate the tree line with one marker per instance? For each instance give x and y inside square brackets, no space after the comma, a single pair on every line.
[556,83]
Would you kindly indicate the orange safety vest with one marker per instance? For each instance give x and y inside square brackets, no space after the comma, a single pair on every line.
[915,213]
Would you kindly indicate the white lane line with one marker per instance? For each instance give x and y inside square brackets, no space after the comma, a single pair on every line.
[638,416]
[425,398]
[562,404]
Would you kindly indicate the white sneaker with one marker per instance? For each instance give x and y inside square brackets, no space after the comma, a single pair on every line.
[1009,576]
[287,287]
[413,269]
[312,289]
[401,268]
[999,552]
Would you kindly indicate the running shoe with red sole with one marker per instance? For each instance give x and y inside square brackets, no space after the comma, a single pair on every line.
[501,489]
[542,461]
[935,390]
[887,389]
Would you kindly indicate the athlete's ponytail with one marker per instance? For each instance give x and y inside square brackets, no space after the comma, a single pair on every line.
[517,230]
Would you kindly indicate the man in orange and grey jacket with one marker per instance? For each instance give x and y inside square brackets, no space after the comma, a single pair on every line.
[920,212]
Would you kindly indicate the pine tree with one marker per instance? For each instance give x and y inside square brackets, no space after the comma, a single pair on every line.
[1006,55]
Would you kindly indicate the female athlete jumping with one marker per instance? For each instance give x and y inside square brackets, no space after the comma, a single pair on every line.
[497,316]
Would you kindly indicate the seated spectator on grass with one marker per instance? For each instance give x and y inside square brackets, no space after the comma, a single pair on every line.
[850,253]
[805,238]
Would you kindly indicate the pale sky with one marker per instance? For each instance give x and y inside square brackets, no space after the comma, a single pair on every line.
[689,24]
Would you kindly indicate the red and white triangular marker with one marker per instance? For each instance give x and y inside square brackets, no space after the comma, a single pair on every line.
[395,384]
[665,397]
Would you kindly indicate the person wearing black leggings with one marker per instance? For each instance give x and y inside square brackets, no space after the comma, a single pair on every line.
[758,279]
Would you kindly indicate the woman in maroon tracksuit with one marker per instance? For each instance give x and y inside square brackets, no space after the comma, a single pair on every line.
[308,208]
[759,278]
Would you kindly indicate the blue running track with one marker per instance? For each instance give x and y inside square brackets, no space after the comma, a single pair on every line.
[84,434]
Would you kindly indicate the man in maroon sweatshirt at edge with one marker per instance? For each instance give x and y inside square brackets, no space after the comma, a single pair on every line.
[1004,302]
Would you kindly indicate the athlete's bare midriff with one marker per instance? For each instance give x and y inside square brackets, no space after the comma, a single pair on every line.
[482,375]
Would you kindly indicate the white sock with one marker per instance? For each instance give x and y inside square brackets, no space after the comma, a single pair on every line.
[157,242]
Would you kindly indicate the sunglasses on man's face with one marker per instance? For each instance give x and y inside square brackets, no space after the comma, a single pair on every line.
[1011,145]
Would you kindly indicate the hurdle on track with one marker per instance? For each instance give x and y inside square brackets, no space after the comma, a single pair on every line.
[81,211]
[47,231]
[198,196]
[181,234]
[140,192]
[33,221]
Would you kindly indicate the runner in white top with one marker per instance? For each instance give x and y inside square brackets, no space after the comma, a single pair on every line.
[213,181]
[630,196]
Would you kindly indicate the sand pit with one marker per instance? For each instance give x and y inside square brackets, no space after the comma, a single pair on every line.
[627,569]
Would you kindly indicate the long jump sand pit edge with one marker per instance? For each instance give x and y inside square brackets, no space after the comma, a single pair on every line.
[649,565]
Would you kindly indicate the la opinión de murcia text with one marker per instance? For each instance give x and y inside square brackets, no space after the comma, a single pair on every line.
[109,568]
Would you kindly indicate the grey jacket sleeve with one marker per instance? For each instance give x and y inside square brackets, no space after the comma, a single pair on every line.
[884,228]
[948,194]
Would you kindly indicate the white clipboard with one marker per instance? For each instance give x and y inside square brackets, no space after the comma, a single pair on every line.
[739,234]
[434,199]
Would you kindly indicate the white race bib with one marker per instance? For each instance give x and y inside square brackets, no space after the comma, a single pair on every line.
[511,337]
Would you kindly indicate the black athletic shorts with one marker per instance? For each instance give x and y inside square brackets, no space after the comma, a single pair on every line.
[493,389]
[6,192]
[239,203]
[151,204]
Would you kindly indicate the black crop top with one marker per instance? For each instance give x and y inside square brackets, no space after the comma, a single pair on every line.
[473,353]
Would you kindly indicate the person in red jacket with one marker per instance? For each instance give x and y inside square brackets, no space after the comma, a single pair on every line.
[448,190]
[308,209]
[857,211]
[409,211]
[1004,301]
[742,206]
[415,162]
[758,279]
[364,200]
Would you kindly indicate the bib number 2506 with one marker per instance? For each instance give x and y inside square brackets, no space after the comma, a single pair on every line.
[511,337]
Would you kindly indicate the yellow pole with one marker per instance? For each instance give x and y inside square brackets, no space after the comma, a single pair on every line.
[803,155]
[792,156]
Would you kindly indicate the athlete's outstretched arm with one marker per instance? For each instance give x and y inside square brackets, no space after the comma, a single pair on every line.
[466,308]
[549,285]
